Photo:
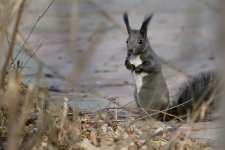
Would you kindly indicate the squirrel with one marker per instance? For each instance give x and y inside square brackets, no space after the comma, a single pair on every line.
[151,92]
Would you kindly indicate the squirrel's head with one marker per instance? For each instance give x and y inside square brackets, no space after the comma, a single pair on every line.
[137,41]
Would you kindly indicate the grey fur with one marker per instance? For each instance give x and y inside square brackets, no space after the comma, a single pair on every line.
[153,93]
[150,88]
[126,20]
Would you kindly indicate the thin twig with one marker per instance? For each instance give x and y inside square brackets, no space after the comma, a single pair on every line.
[157,112]
[39,18]
[29,50]
[164,111]
[145,110]
[34,52]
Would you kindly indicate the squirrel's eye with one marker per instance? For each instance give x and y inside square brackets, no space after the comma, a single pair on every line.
[126,41]
[140,42]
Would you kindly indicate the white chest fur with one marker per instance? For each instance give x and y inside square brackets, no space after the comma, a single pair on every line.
[138,78]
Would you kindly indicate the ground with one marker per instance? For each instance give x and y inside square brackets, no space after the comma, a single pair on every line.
[84,47]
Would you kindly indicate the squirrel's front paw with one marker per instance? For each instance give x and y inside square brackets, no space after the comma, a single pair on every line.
[129,66]
[138,69]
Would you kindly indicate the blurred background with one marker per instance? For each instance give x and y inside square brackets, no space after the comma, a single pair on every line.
[81,45]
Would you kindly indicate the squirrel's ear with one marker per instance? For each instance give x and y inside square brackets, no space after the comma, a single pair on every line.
[144,27]
[125,18]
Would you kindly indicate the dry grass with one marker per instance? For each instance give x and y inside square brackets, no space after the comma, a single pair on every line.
[28,120]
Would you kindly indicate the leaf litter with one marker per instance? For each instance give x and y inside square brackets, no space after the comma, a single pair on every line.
[40,124]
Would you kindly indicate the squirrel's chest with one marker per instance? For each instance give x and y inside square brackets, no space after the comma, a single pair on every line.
[135,60]
[138,78]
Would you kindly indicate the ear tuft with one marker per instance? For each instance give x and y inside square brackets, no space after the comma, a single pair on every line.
[144,27]
[126,21]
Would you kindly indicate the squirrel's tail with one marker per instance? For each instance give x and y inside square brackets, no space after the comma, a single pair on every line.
[195,92]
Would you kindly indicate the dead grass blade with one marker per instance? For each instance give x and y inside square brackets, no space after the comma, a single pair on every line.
[7,9]
[11,45]
[12,100]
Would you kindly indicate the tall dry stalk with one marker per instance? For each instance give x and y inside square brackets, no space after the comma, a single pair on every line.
[11,45]
[12,100]
[8,9]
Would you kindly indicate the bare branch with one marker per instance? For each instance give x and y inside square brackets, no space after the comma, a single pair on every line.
[34,52]
[32,30]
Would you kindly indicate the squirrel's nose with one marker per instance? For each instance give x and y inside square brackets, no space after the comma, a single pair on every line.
[130,50]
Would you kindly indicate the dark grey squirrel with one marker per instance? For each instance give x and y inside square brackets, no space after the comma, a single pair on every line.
[151,92]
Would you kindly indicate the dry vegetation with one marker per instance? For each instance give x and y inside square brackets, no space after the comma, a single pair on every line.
[28,120]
